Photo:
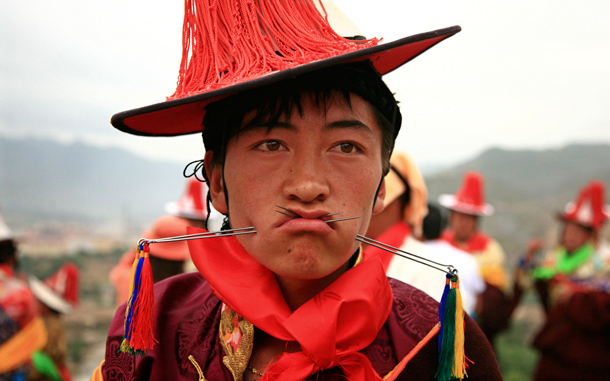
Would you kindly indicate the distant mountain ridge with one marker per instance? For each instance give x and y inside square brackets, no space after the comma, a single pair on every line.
[47,180]
[42,180]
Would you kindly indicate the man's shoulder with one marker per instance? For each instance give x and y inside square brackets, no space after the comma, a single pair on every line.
[411,303]
[174,295]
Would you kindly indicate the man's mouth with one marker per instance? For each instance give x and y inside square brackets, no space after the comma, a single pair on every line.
[309,220]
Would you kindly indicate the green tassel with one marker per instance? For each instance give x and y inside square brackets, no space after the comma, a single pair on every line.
[447,353]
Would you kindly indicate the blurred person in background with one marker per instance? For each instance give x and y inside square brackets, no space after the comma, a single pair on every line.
[573,283]
[170,258]
[471,282]
[466,207]
[56,296]
[22,331]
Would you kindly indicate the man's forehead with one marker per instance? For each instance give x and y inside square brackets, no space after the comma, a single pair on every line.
[338,109]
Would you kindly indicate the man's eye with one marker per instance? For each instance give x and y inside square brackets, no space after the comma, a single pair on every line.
[347,147]
[270,145]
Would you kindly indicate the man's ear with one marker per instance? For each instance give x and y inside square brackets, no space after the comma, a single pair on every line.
[379,200]
[217,189]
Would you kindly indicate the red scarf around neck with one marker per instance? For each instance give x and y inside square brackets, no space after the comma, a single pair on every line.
[330,328]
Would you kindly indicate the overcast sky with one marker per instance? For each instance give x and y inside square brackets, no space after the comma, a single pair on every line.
[521,74]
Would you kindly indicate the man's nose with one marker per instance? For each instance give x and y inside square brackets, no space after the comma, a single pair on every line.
[307,180]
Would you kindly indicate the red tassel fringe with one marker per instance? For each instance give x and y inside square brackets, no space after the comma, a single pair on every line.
[231,41]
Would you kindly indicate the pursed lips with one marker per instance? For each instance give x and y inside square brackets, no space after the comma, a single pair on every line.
[304,221]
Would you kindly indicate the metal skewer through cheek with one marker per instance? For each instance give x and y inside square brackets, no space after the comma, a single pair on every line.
[250,230]
[448,269]
[221,233]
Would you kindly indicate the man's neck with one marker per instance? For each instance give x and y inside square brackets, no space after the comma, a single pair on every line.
[298,291]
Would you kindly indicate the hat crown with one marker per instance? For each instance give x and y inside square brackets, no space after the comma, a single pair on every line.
[191,203]
[65,283]
[471,191]
[192,198]
[588,209]
[236,41]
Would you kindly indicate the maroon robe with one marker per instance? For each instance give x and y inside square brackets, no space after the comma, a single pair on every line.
[187,323]
[575,340]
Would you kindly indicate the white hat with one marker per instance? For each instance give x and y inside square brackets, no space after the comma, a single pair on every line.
[60,290]
[5,233]
[192,203]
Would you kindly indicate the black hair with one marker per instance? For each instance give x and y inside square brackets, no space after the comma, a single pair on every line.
[434,223]
[8,251]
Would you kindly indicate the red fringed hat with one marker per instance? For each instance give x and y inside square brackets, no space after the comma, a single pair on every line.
[241,45]
[192,202]
[589,209]
[60,290]
[470,198]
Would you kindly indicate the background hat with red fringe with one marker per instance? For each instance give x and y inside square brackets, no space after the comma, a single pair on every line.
[60,291]
[470,198]
[589,209]
[192,203]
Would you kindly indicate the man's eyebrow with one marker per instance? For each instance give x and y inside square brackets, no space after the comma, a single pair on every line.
[349,123]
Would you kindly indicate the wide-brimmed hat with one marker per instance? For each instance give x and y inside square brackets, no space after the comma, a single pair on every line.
[230,48]
[589,209]
[60,290]
[470,198]
[405,172]
[192,203]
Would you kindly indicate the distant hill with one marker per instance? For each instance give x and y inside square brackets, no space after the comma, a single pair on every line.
[42,180]
[527,187]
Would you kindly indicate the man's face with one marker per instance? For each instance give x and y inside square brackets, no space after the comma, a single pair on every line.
[463,225]
[574,236]
[315,164]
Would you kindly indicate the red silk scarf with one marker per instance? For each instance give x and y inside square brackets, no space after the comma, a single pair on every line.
[330,328]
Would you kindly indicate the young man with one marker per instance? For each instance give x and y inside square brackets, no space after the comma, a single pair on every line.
[287,153]
[466,207]
[573,282]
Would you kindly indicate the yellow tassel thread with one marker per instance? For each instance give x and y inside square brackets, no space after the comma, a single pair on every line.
[459,365]
[132,280]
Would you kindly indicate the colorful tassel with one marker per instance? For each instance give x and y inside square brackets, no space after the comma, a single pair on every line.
[139,335]
[452,360]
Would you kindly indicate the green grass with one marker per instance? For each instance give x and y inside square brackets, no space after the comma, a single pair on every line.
[516,357]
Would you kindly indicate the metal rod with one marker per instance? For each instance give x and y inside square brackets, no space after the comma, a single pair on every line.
[221,233]
[449,269]
[342,219]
